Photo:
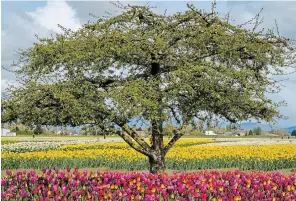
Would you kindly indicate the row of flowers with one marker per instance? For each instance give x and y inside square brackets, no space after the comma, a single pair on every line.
[118,145]
[204,186]
[184,155]
[116,150]
[35,146]
[9,141]
[31,146]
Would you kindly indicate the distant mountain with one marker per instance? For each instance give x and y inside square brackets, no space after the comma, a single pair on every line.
[245,126]
[290,129]
[252,125]
[264,127]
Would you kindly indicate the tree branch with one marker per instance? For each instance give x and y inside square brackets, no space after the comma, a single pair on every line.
[175,115]
[136,137]
[175,138]
[204,18]
[128,139]
[108,82]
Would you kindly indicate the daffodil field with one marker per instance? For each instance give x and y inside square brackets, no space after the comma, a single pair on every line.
[185,155]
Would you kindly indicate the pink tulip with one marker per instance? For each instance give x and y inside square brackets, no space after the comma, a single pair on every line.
[3,182]
[3,195]
[8,172]
[10,195]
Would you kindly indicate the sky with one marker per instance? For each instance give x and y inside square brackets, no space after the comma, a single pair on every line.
[21,21]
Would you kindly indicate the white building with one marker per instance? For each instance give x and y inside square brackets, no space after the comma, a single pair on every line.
[6,132]
[210,133]
[59,132]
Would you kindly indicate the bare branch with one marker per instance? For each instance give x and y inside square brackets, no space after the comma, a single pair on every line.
[175,138]
[136,137]
[128,139]
[177,135]
[254,18]
[175,115]
[277,27]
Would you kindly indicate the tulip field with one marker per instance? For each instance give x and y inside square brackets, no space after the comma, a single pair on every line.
[215,186]
[64,170]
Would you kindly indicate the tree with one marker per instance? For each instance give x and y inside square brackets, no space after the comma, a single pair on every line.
[201,127]
[280,133]
[219,130]
[139,129]
[147,131]
[209,125]
[293,133]
[38,130]
[258,131]
[85,130]
[15,129]
[188,129]
[65,130]
[251,132]
[168,129]
[228,127]
[152,67]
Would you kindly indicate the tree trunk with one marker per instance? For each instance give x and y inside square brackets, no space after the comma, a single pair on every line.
[157,160]
[157,164]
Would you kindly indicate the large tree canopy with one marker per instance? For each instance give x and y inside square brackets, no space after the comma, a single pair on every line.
[153,67]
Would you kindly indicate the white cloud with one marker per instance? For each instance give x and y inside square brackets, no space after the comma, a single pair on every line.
[21,27]
[54,13]
[3,84]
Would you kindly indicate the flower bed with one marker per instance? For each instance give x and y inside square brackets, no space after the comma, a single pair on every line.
[213,186]
[31,146]
[185,155]
[8,141]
